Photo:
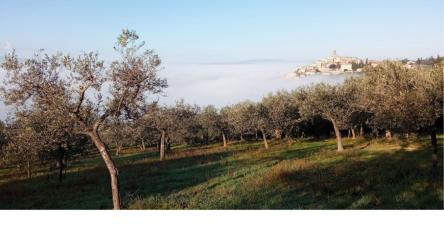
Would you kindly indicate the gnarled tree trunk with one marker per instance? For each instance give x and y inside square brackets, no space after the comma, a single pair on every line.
[289,133]
[338,135]
[224,138]
[113,172]
[143,145]
[353,133]
[118,147]
[162,145]
[278,133]
[264,137]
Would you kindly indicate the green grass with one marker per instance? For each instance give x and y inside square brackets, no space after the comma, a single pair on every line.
[303,174]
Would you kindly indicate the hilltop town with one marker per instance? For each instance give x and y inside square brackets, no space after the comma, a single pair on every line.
[333,65]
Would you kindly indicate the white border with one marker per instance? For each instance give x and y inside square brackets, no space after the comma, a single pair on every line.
[221,220]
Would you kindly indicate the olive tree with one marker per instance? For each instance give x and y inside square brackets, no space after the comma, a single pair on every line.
[331,102]
[25,144]
[145,130]
[239,118]
[261,121]
[187,127]
[405,100]
[79,91]
[389,92]
[174,124]
[34,136]
[283,113]
[119,134]
[161,119]
[432,95]
[224,125]
[353,88]
[210,122]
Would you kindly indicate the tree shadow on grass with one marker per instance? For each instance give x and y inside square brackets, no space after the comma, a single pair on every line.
[387,181]
[139,174]
[304,152]
[170,175]
[384,181]
[235,171]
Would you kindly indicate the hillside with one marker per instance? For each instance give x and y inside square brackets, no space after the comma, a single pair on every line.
[306,174]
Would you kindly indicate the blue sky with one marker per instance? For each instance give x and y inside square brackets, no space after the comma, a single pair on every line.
[221,52]
[219,31]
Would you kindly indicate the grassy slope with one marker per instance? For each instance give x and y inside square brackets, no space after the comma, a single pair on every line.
[304,174]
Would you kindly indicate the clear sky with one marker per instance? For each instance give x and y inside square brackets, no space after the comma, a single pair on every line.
[278,34]
[200,31]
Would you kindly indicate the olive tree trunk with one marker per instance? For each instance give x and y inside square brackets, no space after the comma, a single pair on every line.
[117,149]
[278,133]
[224,138]
[162,145]
[288,133]
[353,133]
[264,137]
[112,170]
[143,145]
[338,135]
[361,131]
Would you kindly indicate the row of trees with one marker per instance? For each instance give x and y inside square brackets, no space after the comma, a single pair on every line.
[388,98]
[429,61]
[67,105]
[28,140]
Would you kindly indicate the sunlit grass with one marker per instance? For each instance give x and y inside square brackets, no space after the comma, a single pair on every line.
[302,174]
